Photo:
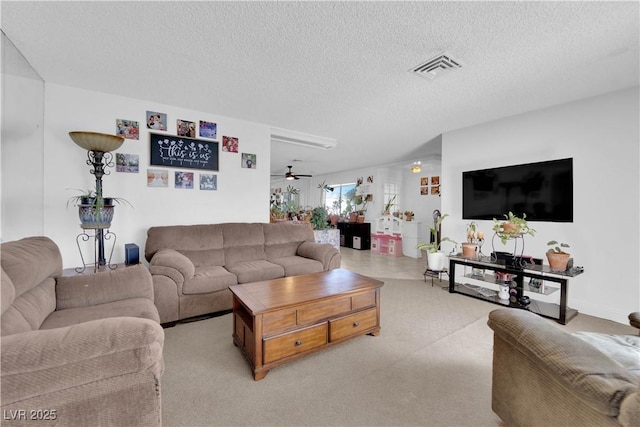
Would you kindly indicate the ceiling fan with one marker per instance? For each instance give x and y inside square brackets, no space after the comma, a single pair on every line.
[291,176]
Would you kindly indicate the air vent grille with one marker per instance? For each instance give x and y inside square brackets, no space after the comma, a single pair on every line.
[436,65]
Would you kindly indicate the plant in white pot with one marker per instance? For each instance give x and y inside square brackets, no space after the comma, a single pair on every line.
[436,259]
[557,257]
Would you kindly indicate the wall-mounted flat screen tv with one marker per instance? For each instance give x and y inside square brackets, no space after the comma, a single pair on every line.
[543,191]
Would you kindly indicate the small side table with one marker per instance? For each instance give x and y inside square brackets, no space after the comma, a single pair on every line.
[434,273]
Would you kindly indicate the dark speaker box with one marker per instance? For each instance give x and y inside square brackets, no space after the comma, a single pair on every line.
[131,254]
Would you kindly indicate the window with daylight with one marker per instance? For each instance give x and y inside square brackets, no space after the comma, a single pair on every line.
[339,201]
[391,196]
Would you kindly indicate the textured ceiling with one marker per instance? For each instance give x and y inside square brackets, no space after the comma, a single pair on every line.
[336,69]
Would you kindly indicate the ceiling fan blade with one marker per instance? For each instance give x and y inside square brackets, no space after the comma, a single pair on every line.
[308,176]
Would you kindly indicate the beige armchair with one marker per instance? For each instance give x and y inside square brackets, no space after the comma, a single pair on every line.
[544,376]
[77,351]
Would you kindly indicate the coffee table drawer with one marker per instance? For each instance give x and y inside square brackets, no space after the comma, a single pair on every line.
[352,324]
[312,313]
[281,346]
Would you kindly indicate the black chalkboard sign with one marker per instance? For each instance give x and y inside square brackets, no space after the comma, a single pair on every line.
[183,152]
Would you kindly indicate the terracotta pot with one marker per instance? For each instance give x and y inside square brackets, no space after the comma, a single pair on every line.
[558,261]
[470,250]
[360,219]
[511,228]
[353,217]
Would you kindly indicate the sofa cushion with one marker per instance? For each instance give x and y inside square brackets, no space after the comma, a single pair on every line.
[183,238]
[209,279]
[134,307]
[204,257]
[283,239]
[99,288]
[623,349]
[30,309]
[28,262]
[243,242]
[255,271]
[297,265]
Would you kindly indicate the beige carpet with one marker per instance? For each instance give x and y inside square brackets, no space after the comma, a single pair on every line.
[430,366]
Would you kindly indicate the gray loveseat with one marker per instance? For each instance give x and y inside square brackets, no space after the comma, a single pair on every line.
[78,350]
[545,376]
[194,265]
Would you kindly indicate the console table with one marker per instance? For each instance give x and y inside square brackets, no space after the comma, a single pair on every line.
[559,312]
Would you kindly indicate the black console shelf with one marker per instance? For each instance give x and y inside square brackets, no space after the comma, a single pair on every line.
[559,312]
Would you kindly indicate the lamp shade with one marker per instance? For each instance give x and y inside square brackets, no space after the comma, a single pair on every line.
[94,141]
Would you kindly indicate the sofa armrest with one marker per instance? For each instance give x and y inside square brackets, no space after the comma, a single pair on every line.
[40,362]
[586,373]
[104,287]
[323,252]
[171,263]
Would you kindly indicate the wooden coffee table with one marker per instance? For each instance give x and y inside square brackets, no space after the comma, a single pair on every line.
[281,320]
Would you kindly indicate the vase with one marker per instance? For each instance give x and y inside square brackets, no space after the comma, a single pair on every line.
[470,250]
[558,260]
[436,261]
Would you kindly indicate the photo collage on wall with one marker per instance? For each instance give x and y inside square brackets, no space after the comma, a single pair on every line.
[182,150]
[430,186]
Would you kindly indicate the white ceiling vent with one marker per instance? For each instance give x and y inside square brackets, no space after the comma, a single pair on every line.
[436,65]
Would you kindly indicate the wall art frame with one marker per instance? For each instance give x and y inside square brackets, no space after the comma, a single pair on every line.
[183,152]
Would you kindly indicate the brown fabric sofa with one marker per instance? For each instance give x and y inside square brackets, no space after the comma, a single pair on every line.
[544,376]
[194,265]
[79,350]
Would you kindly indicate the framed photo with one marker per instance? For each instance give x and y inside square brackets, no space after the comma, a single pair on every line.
[183,152]
[435,180]
[208,181]
[435,190]
[249,160]
[128,128]
[156,121]
[157,178]
[186,128]
[208,130]
[230,144]
[127,163]
[424,181]
[184,180]
[424,191]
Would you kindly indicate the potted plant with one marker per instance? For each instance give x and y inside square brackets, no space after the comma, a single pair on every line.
[436,260]
[95,211]
[387,207]
[319,218]
[470,247]
[557,257]
[512,226]
[408,215]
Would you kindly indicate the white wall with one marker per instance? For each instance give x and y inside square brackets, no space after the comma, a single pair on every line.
[22,157]
[242,195]
[602,135]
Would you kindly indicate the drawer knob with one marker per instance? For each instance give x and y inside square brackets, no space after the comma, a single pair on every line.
[356,324]
[298,343]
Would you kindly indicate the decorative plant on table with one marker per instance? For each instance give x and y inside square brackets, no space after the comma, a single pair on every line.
[436,260]
[557,257]
[94,210]
[319,218]
[475,238]
[512,226]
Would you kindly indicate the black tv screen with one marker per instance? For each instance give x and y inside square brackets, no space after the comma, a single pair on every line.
[543,191]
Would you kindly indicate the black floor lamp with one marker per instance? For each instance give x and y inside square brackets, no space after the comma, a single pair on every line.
[99,147]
